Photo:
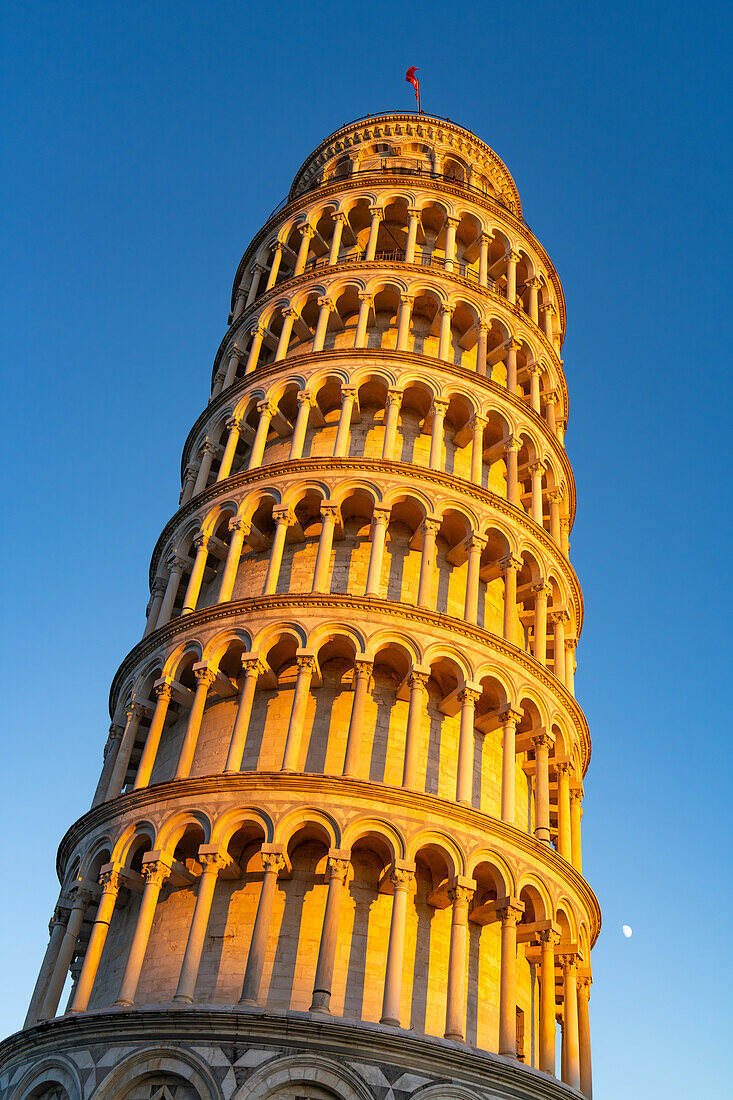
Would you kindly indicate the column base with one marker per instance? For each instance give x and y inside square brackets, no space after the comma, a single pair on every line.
[124,1004]
[390,1021]
[321,1002]
[182,999]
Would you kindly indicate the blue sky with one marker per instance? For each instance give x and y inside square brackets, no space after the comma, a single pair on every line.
[144,144]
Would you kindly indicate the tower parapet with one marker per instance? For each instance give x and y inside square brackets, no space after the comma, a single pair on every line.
[335,848]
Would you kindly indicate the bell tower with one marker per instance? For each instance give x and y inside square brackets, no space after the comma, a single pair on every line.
[335,848]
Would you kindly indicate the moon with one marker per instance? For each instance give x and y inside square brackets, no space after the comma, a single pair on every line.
[627,931]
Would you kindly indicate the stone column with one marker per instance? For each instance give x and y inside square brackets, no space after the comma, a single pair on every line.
[56,930]
[239,529]
[391,416]
[427,562]
[570,665]
[559,618]
[338,228]
[258,334]
[478,424]
[272,861]
[509,720]
[513,447]
[363,320]
[481,348]
[542,787]
[239,305]
[483,260]
[510,914]
[403,325]
[321,571]
[156,602]
[253,669]
[306,402]
[212,862]
[464,781]
[402,877]
[338,867]
[343,432]
[450,243]
[235,358]
[274,266]
[511,276]
[109,880]
[534,286]
[326,308]
[548,313]
[510,567]
[541,591]
[555,530]
[371,248]
[380,523]
[576,816]
[362,674]
[189,480]
[436,436]
[444,344]
[201,542]
[176,566]
[266,411]
[417,680]
[564,842]
[513,347]
[202,477]
[537,469]
[111,750]
[475,544]
[283,518]
[550,411]
[124,752]
[414,218]
[147,760]
[66,950]
[155,872]
[235,426]
[289,318]
[570,1020]
[534,387]
[205,677]
[306,235]
[306,666]
[549,939]
[460,893]
[254,286]
[586,1070]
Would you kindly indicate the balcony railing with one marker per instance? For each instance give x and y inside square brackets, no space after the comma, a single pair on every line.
[397,255]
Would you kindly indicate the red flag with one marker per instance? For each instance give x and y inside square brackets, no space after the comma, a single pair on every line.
[412,79]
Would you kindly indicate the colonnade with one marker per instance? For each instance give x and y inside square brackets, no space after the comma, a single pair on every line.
[542,938]
[538,740]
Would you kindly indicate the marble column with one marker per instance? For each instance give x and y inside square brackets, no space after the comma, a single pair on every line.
[460,893]
[338,867]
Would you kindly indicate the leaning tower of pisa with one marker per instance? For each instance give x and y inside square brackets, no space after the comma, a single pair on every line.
[335,848]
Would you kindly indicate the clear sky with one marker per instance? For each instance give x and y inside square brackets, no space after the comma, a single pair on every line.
[144,145]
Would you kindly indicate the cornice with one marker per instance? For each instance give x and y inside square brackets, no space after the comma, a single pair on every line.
[310,275]
[406,470]
[350,355]
[348,184]
[321,789]
[364,606]
[488,1073]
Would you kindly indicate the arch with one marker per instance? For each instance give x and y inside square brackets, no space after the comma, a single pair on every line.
[494,870]
[437,844]
[181,1062]
[332,1078]
[317,823]
[364,828]
[174,827]
[232,821]
[135,838]
[536,897]
[53,1070]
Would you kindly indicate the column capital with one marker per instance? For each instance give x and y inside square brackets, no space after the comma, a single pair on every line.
[235,352]
[110,877]
[364,296]
[510,562]
[549,307]
[478,420]
[239,523]
[440,404]
[348,391]
[418,676]
[510,716]
[407,299]
[253,665]
[510,911]
[176,563]
[234,424]
[476,541]
[215,860]
[156,871]
[446,309]
[487,236]
[534,283]
[549,936]
[163,691]
[512,344]
[258,267]
[307,231]
[277,247]
[326,301]
[363,667]
[376,212]
[414,211]
[283,514]
[538,467]
[208,448]
[257,330]
[291,312]
[305,397]
[60,915]
[430,525]
[555,496]
[306,661]
[201,541]
[541,588]
[567,958]
[330,510]
[205,675]
[381,515]
[240,293]
[134,710]
[159,587]
[341,216]
[512,256]
[272,862]
[460,890]
[563,767]
[542,740]
[513,443]
[469,694]
[189,474]
[394,397]
[452,221]
[576,795]
[266,406]
[338,865]
[401,877]
[584,983]
[559,616]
